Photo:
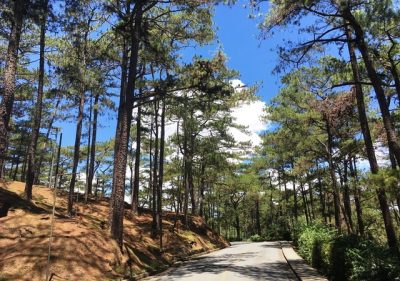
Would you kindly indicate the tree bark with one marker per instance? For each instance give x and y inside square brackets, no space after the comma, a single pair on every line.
[376,83]
[123,132]
[336,198]
[7,102]
[381,193]
[357,196]
[155,222]
[78,136]
[135,188]
[88,150]
[30,175]
[161,173]
[43,151]
[93,148]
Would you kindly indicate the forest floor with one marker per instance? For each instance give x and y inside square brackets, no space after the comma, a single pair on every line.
[81,247]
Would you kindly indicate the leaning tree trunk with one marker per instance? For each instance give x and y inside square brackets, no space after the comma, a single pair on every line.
[376,81]
[123,132]
[10,71]
[30,175]
[381,193]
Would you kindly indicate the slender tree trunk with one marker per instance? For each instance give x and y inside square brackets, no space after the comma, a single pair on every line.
[322,200]
[7,102]
[88,151]
[93,146]
[77,146]
[295,209]
[30,175]
[151,199]
[357,196]
[43,150]
[304,203]
[16,168]
[185,173]
[161,174]
[135,191]
[310,190]
[336,198]
[381,193]
[258,223]
[202,188]
[156,218]
[346,196]
[376,81]
[23,172]
[190,176]
[123,132]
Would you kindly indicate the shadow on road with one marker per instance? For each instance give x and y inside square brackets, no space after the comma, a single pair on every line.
[216,265]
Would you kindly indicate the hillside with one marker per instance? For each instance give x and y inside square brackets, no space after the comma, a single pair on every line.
[82,248]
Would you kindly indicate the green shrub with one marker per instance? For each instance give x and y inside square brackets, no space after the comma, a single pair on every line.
[315,243]
[371,261]
[346,257]
[256,238]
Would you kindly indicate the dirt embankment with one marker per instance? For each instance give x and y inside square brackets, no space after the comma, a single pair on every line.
[81,247]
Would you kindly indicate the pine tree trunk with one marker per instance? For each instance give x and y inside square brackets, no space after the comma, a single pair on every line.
[295,212]
[43,151]
[390,233]
[357,196]
[376,84]
[123,132]
[202,188]
[155,222]
[336,198]
[135,190]
[303,196]
[88,151]
[7,102]
[75,163]
[310,190]
[94,137]
[258,223]
[161,174]
[30,175]
[346,197]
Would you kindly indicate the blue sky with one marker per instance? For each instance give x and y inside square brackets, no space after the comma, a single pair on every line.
[238,35]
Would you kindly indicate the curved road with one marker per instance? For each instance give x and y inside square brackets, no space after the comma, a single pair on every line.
[242,261]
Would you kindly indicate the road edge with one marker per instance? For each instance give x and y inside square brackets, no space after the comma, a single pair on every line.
[301,269]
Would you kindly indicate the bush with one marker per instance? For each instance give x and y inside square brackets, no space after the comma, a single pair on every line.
[371,261]
[256,238]
[314,244]
[346,257]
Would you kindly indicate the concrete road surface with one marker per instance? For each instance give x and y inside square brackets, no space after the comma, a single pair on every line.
[242,261]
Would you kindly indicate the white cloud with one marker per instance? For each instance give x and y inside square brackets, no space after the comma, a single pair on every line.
[250,116]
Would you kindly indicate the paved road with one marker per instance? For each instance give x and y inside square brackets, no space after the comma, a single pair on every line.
[242,261]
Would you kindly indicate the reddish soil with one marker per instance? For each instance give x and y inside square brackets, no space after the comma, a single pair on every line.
[81,247]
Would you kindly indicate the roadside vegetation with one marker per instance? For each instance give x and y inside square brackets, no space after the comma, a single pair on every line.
[325,173]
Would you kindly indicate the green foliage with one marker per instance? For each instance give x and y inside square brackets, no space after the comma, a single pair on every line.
[371,261]
[345,257]
[314,244]
[256,238]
